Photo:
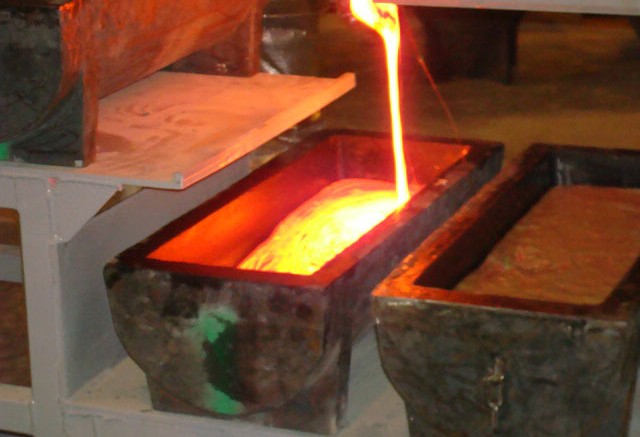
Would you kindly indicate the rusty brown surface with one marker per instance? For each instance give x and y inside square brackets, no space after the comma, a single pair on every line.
[134,39]
[28,3]
[9,227]
[461,244]
[14,344]
[236,55]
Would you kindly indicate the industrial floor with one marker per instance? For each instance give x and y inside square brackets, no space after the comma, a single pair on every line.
[577,81]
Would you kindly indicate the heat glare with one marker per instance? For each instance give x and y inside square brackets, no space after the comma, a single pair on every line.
[341,213]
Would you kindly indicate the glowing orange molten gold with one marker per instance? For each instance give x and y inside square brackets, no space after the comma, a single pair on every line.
[383,18]
[323,226]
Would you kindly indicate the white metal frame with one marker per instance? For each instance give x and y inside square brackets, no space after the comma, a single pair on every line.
[613,7]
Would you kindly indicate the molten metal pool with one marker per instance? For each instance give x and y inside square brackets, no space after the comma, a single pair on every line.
[324,226]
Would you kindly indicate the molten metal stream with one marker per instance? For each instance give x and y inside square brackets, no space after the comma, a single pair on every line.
[383,18]
[341,213]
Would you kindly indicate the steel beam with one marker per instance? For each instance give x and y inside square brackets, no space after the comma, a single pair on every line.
[613,7]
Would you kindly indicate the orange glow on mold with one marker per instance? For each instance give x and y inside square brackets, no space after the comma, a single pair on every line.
[383,18]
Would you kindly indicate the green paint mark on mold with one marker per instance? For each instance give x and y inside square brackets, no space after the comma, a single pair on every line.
[220,402]
[213,322]
[215,333]
[5,151]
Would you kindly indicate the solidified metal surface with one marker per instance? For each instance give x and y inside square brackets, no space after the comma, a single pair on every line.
[478,365]
[268,347]
[58,58]
[560,241]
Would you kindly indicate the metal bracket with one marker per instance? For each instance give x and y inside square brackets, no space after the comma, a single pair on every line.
[72,204]
[494,387]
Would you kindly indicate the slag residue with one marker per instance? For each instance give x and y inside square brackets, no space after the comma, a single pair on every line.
[323,226]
